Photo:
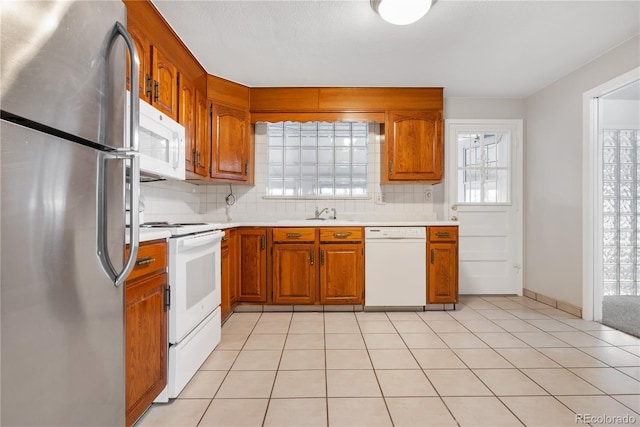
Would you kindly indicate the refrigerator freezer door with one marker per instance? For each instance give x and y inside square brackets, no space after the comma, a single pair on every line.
[55,69]
[62,323]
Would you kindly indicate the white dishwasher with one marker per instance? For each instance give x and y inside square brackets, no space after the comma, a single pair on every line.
[395,266]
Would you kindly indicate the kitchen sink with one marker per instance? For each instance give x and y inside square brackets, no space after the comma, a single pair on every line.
[317,219]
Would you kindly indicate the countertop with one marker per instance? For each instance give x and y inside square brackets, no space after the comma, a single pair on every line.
[147,234]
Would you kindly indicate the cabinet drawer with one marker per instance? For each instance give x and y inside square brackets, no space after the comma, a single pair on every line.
[443,234]
[294,234]
[340,234]
[152,257]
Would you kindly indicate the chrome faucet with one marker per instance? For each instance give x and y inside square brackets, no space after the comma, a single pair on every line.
[318,213]
[335,213]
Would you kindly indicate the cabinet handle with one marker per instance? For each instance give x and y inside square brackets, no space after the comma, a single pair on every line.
[144,261]
[442,234]
[167,297]
[293,235]
[147,86]
[193,156]
[156,90]
[341,235]
[246,168]
[432,255]
[321,256]
[390,168]
[224,239]
[262,242]
[312,256]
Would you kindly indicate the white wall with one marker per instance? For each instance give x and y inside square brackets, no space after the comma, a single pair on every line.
[553,175]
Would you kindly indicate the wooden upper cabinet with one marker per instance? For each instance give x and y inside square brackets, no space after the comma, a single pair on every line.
[201,158]
[414,146]
[165,84]
[144,55]
[230,143]
[187,118]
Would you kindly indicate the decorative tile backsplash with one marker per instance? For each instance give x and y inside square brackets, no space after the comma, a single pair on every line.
[183,201]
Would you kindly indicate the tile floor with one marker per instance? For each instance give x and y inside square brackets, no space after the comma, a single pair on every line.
[495,361]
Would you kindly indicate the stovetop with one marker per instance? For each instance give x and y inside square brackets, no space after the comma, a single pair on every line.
[182,228]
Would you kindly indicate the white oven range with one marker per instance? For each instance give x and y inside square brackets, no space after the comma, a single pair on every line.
[194,311]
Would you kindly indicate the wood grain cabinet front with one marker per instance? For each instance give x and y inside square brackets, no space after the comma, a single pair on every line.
[294,273]
[442,265]
[228,272]
[230,143]
[252,268]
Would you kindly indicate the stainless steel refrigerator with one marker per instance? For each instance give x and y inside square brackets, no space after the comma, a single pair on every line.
[66,166]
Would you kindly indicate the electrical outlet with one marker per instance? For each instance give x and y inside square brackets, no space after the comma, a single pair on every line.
[428,195]
[379,199]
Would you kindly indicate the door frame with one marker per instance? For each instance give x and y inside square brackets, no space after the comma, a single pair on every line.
[517,185]
[592,196]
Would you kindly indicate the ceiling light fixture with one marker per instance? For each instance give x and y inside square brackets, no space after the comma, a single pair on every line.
[401,12]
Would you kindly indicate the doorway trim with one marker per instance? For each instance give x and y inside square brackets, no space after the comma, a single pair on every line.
[591,196]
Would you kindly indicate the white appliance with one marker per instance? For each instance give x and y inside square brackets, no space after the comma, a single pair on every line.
[194,311]
[395,266]
[162,144]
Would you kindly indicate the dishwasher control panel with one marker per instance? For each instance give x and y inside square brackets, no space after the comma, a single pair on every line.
[395,233]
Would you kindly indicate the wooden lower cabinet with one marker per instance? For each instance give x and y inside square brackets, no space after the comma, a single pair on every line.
[341,273]
[145,331]
[252,267]
[228,273]
[442,265]
[294,273]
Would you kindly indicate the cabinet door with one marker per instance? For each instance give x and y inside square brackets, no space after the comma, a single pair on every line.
[415,148]
[225,281]
[294,273]
[144,54]
[442,272]
[252,268]
[203,135]
[187,118]
[230,143]
[165,84]
[341,273]
[146,344]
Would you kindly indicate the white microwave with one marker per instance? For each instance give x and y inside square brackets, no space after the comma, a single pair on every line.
[161,144]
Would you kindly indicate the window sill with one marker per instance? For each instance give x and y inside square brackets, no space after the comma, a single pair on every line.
[316,197]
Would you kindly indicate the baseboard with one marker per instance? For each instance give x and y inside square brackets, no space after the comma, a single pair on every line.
[560,305]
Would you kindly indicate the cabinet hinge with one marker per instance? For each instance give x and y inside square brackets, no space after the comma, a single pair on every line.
[167,297]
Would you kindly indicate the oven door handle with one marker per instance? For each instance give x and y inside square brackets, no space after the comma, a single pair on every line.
[197,241]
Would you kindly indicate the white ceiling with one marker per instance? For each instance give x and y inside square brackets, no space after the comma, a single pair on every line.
[471,48]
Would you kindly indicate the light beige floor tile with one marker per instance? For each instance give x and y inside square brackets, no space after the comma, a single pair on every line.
[540,411]
[247,385]
[231,342]
[444,326]
[613,356]
[632,371]
[203,385]
[383,341]
[633,349]
[560,382]
[341,327]
[304,342]
[368,316]
[526,314]
[316,316]
[609,380]
[257,360]
[411,326]
[337,316]
[556,314]
[509,382]
[533,304]
[579,339]
[479,304]
[437,358]
[501,340]
[265,342]
[276,316]
[480,411]
[515,325]
[302,360]
[235,413]
[631,401]
[348,359]
[177,413]
[463,312]
[585,325]
[299,384]
[220,360]
[304,327]
[492,298]
[238,329]
[462,340]
[404,383]
[616,337]
[393,359]
[481,325]
[598,406]
[243,318]
[271,327]
[360,412]
[352,383]
[494,314]
[344,342]
[507,305]
[429,316]
[480,358]
[572,358]
[296,413]
[551,325]
[457,382]
[377,327]
[540,339]
[527,358]
[403,315]
[419,412]
[423,340]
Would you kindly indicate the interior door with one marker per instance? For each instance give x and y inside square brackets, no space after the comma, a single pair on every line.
[483,190]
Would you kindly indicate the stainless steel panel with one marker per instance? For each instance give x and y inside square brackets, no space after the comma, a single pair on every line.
[55,69]
[62,319]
